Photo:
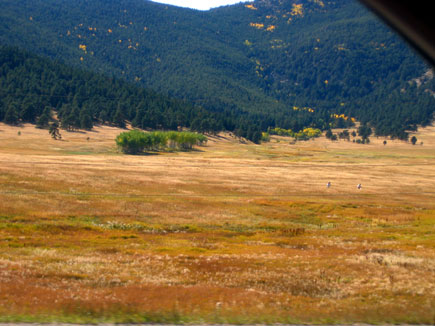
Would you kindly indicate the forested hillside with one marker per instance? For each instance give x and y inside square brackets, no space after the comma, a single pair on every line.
[31,88]
[270,63]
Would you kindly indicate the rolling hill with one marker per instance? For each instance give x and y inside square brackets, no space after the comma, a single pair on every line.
[280,63]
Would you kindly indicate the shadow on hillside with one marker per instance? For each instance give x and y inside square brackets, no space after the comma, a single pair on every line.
[218,137]
[74,131]
[142,154]
[153,153]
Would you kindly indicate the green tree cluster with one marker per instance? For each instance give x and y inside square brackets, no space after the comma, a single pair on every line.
[135,141]
[305,134]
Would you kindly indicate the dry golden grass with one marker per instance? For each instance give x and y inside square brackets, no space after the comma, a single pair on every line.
[232,232]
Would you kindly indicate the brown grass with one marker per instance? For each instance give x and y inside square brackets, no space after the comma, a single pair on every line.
[238,233]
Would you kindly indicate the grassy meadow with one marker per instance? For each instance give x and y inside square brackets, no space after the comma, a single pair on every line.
[227,233]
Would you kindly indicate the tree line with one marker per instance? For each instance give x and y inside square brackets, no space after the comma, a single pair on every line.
[244,79]
[42,91]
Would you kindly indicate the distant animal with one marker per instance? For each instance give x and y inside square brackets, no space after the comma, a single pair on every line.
[359,186]
[328,185]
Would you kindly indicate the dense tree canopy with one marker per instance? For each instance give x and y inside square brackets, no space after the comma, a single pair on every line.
[136,141]
[32,88]
[276,63]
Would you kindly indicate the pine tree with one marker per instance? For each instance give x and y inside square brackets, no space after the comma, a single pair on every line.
[103,117]
[45,118]
[11,116]
[28,112]
[85,119]
[118,118]
[54,131]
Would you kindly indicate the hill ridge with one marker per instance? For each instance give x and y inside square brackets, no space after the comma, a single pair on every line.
[261,58]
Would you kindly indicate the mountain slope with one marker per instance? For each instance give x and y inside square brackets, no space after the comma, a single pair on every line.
[31,87]
[265,57]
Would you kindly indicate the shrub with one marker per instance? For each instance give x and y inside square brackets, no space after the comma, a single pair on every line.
[132,142]
[265,137]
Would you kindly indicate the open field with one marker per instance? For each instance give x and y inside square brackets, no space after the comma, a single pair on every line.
[228,233]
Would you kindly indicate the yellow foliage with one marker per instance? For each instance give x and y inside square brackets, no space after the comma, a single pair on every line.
[297,10]
[311,132]
[252,7]
[342,116]
[82,47]
[257,25]
[109,30]
[295,108]
[271,28]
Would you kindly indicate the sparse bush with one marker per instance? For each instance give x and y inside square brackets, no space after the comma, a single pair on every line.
[265,137]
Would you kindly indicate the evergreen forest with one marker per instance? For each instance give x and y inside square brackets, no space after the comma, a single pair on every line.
[33,89]
[245,68]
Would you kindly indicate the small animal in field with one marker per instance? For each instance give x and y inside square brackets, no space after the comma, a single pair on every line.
[328,185]
[359,186]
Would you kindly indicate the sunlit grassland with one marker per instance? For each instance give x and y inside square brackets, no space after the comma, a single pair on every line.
[229,233]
